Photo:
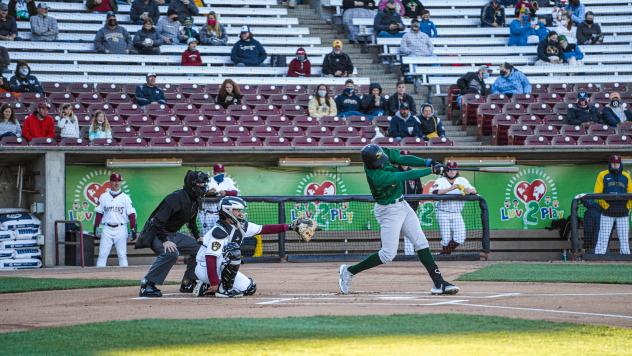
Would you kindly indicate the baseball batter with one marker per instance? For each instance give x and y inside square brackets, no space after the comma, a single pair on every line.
[395,215]
[451,225]
[115,211]
[614,180]
[219,186]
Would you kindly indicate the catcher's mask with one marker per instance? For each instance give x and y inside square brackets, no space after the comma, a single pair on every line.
[195,183]
[373,156]
[232,209]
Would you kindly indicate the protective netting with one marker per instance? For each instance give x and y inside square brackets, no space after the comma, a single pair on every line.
[601,220]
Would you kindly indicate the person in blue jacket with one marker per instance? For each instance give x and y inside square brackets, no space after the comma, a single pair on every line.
[149,93]
[519,31]
[247,51]
[511,81]
[404,124]
[426,26]
[572,52]
[348,103]
[577,11]
[539,26]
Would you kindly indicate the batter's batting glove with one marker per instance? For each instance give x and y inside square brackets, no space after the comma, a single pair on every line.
[439,169]
[94,232]
[134,235]
[434,163]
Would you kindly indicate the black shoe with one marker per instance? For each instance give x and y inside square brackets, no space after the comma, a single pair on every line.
[229,294]
[444,287]
[187,286]
[149,290]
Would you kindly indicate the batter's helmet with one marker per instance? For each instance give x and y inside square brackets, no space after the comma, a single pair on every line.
[373,156]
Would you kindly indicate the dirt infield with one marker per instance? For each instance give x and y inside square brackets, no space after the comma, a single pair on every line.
[292,289]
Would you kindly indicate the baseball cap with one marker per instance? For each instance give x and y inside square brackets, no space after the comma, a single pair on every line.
[115,177]
[484,68]
[218,168]
[110,14]
[192,39]
[43,5]
[42,105]
[244,28]
[614,159]
[337,43]
[582,95]
[562,38]
[151,75]
[452,165]
[300,51]
[4,7]
[188,19]
[404,106]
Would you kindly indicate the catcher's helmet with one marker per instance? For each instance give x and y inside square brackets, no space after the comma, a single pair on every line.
[226,206]
[373,156]
[195,183]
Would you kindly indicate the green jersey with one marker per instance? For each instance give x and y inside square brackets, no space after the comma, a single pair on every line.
[387,183]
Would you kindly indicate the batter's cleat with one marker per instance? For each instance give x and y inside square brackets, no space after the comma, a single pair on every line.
[200,288]
[149,290]
[444,287]
[344,279]
[229,294]
[187,286]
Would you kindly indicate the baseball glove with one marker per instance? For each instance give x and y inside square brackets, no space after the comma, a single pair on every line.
[305,228]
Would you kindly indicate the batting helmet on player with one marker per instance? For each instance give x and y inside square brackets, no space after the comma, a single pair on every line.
[373,156]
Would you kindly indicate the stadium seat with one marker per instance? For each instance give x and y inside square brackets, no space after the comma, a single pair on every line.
[345,132]
[518,133]
[524,99]
[484,115]
[562,108]
[89,98]
[123,131]
[13,141]
[127,109]
[133,142]
[278,121]
[248,141]
[302,99]
[254,99]
[563,140]
[440,141]
[180,132]
[78,88]
[54,87]
[246,89]
[250,121]
[239,110]
[305,121]
[168,88]
[266,110]
[107,88]
[625,128]
[304,141]
[531,120]
[201,98]
[209,131]
[105,107]
[617,139]
[195,121]
[382,121]
[223,121]
[117,98]
[555,120]
[332,121]
[609,87]
[192,89]
[500,126]
[57,98]
[369,131]
[264,131]
[499,99]
[318,132]
[291,131]
[386,141]
[184,109]
[139,120]
[191,142]
[358,121]
[550,98]
[602,98]
[156,109]
[469,105]
[30,98]
[212,110]
[515,109]
[539,89]
[587,87]
[574,131]
[269,90]
[601,130]
[167,121]
[213,89]
[548,131]
[358,141]
[236,131]
[162,142]
[151,132]
[103,142]
[536,141]
[277,142]
[590,140]
[73,142]
[561,88]
[280,99]
[293,110]
[540,109]
[413,142]
[332,141]
[43,141]
[220,141]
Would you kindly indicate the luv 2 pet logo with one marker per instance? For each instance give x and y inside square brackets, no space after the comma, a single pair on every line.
[87,192]
[531,195]
[325,213]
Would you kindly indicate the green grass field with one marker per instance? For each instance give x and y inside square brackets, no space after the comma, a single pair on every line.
[552,272]
[25,284]
[433,334]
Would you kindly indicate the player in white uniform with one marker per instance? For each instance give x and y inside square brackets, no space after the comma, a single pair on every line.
[451,225]
[219,258]
[115,211]
[219,186]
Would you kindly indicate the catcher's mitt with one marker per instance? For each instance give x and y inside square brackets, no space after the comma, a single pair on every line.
[305,228]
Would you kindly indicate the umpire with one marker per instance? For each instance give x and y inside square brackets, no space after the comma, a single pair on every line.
[161,234]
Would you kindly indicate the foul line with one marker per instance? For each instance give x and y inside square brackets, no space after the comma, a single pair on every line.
[546,310]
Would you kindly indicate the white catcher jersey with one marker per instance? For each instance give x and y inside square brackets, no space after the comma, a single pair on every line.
[226,184]
[451,206]
[213,246]
[115,209]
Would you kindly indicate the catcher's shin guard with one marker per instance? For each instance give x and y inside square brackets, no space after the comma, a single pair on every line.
[232,261]
[252,288]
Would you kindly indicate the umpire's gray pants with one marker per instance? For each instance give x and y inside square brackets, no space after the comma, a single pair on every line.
[186,245]
[394,219]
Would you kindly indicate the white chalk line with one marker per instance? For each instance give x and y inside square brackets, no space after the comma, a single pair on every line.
[546,310]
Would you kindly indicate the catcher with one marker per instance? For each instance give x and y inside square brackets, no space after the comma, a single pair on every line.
[451,225]
[219,258]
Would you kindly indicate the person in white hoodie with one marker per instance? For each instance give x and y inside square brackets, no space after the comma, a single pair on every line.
[415,42]
[68,123]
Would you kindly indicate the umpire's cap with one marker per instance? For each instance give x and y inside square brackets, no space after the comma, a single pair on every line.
[373,156]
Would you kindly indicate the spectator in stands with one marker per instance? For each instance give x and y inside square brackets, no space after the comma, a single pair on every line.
[43,27]
[539,26]
[112,38]
[399,6]
[550,51]
[615,112]
[567,29]
[168,27]
[396,100]
[388,23]
[4,85]
[9,125]
[5,60]
[493,14]
[428,27]
[149,93]
[374,104]
[588,32]
[572,53]
[191,56]
[229,94]
[187,31]
[23,81]
[322,104]
[8,26]
[413,9]
[354,9]
[337,63]
[22,9]
[147,40]
[184,8]
[142,9]
[348,103]
[247,51]
[68,123]
[430,125]
[415,42]
[300,66]
[511,81]
[214,33]
[473,83]
[39,124]
[576,10]
[519,31]
[404,124]
[102,6]
[99,127]
[582,113]
[525,7]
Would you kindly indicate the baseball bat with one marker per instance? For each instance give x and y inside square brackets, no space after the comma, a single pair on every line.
[490,169]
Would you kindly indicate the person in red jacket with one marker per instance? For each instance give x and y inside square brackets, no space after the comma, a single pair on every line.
[191,56]
[39,124]
[300,66]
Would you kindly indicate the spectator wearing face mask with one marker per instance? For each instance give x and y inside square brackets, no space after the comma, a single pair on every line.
[142,9]
[184,8]
[413,9]
[102,6]
[168,27]
[550,51]
[576,10]
[43,27]
[616,111]
[473,83]
[322,104]
[23,81]
[388,23]
[582,113]
[567,28]
[511,81]
[430,125]
[426,26]
[214,33]
[349,103]
[247,51]
[588,32]
[337,63]
[519,30]
[187,31]
[572,53]
[374,103]
[493,14]
[300,66]
[191,56]
[539,27]
[22,10]
[112,38]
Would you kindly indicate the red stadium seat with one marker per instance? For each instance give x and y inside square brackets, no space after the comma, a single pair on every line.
[295,90]
[561,88]
[358,121]
[57,98]
[531,120]
[291,131]
[304,141]
[469,105]
[413,141]
[106,108]
[269,90]
[223,121]
[266,110]
[562,108]
[251,121]
[248,141]
[382,121]
[518,133]
[574,131]
[550,98]
[103,142]
[151,132]
[54,87]
[345,132]
[192,88]
[212,110]
[500,126]
[184,109]
[601,130]
[625,128]
[587,87]
[180,132]
[540,109]
[536,141]
[162,142]
[278,121]
[318,132]
[169,88]
[209,131]
[590,140]
[156,109]
[106,88]
[13,141]
[78,88]
[302,99]
[440,141]
[213,89]
[386,141]
[484,115]
[30,98]
[73,142]
[123,131]
[358,141]
[89,98]
[195,121]
[239,110]
[293,110]
[563,141]
[538,89]
[548,131]
[133,142]
[139,121]
[277,142]
[332,121]
[332,141]
[236,131]
[617,139]
[524,99]
[128,109]
[254,99]
[264,131]
[246,89]
[117,98]
[602,98]
[571,98]
[43,141]
[201,98]
[220,141]
[499,99]
[306,121]
[515,109]
[192,141]
[167,121]
[370,131]
[280,99]
[555,120]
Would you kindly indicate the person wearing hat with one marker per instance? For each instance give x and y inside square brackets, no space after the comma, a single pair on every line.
[511,81]
[582,113]
[22,9]
[300,66]
[188,31]
[184,8]
[247,51]
[404,124]
[614,180]
[337,63]
[43,27]
[615,112]
[114,212]
[169,27]
[430,125]
[112,38]
[493,14]
[572,53]
[149,93]
[102,6]
[214,33]
[23,81]
[473,83]
[191,56]
[219,186]
[147,40]
[520,29]
[39,124]
[142,9]
[388,23]
[8,26]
